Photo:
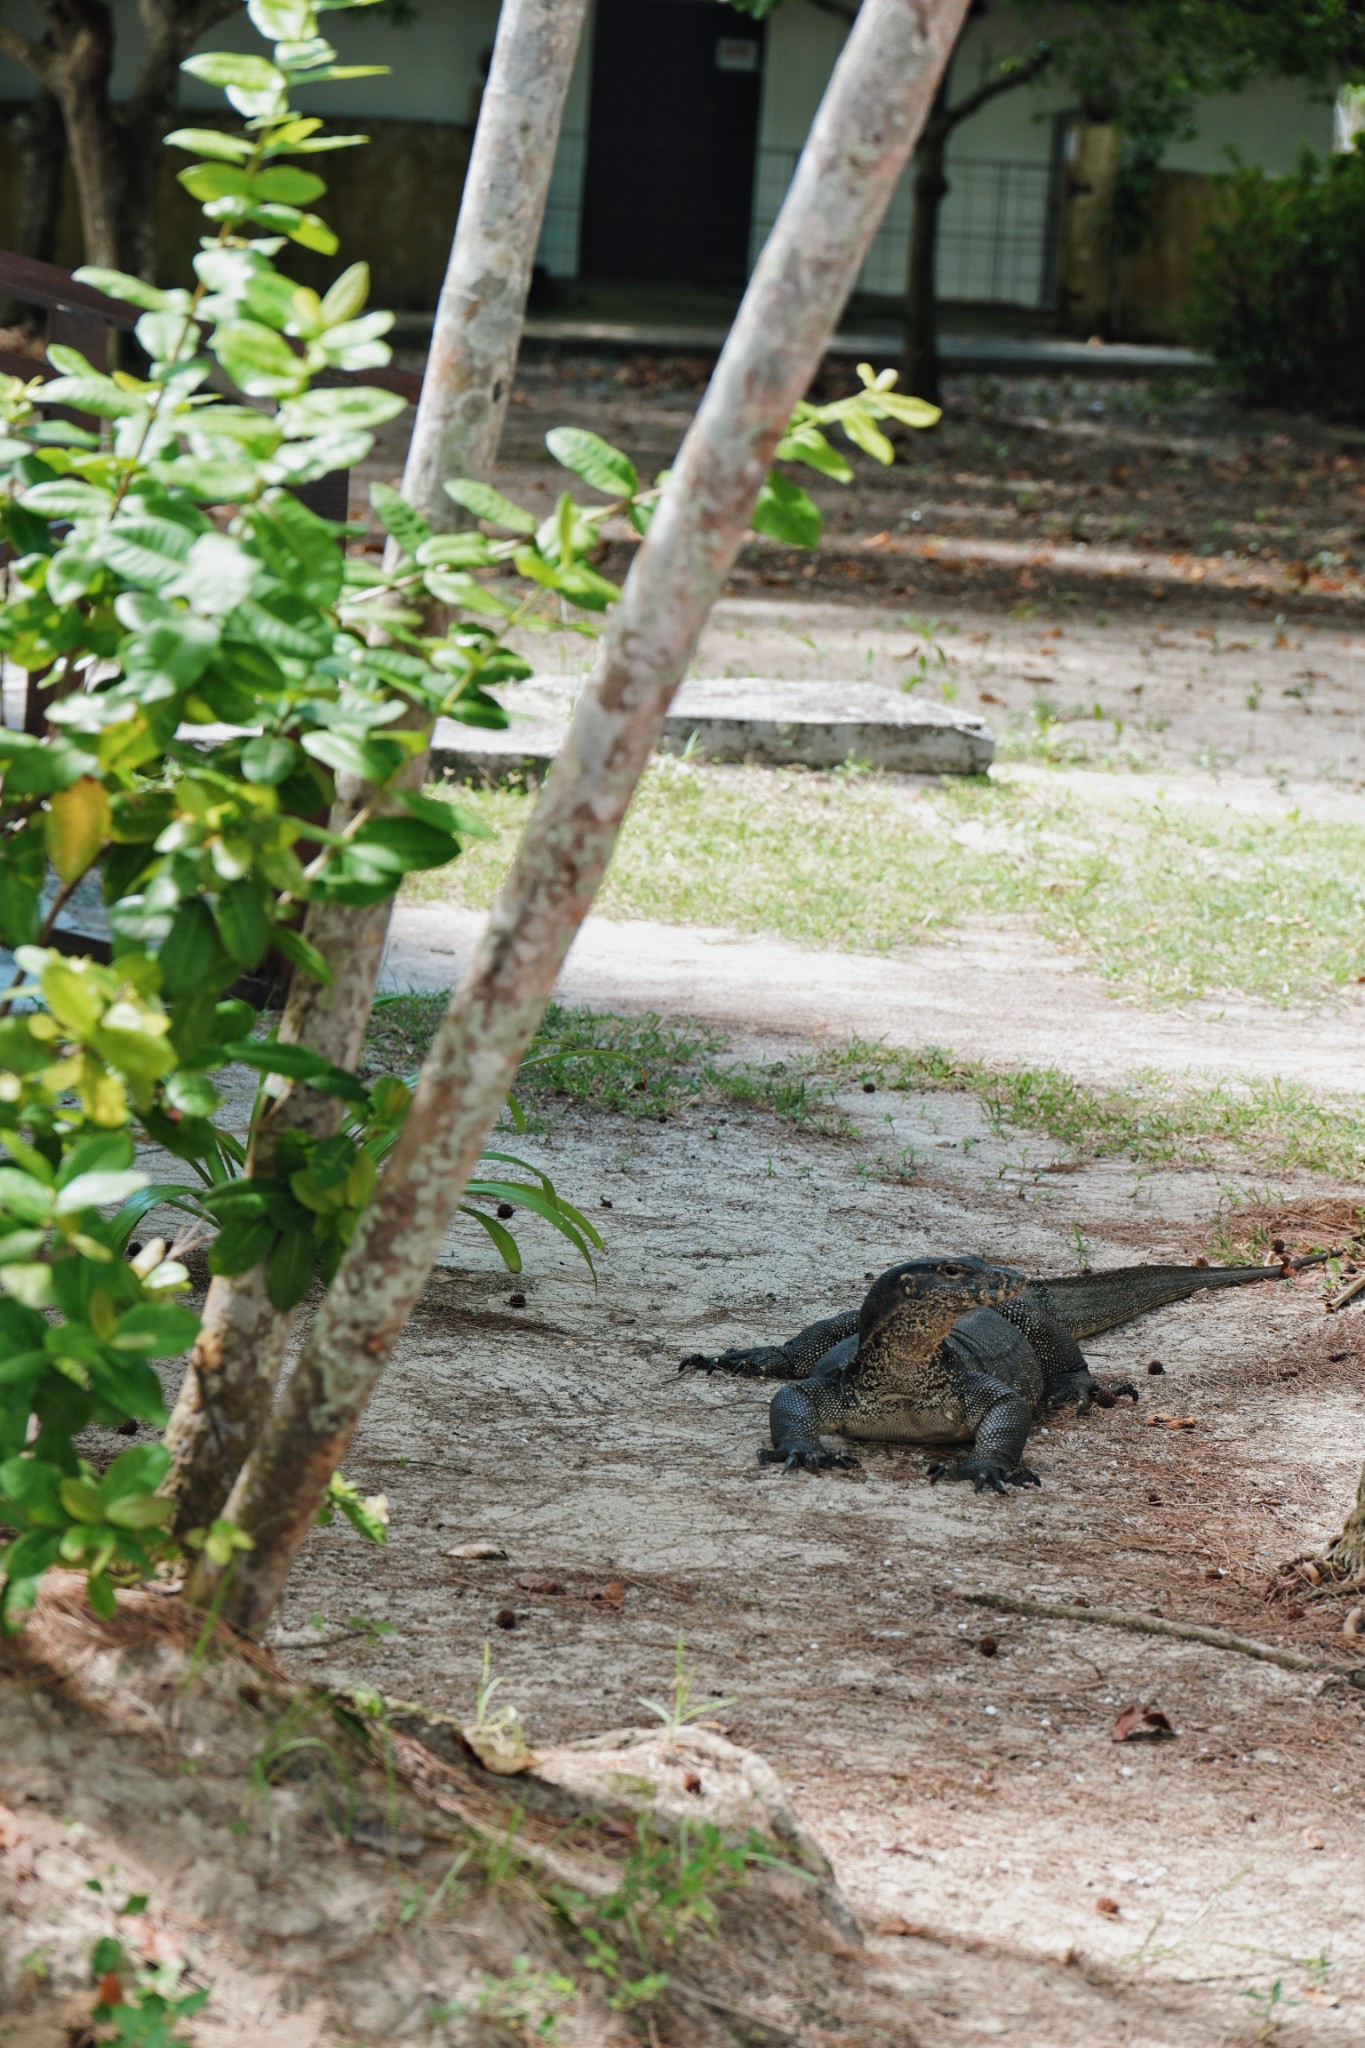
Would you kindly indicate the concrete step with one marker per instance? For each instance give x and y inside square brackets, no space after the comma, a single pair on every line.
[745,718]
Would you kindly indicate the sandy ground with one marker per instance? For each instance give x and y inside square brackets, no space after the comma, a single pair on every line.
[988,992]
[979,1800]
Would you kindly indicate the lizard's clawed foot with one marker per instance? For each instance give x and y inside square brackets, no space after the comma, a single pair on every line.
[754,1364]
[1088,1392]
[984,1473]
[813,1457]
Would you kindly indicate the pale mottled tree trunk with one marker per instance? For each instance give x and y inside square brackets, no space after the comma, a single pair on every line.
[483,299]
[236,1363]
[872,113]
[1346,1552]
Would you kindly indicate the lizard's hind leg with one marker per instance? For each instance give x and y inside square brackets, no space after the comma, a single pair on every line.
[1066,1373]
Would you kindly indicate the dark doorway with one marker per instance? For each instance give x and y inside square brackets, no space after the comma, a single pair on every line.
[672,132]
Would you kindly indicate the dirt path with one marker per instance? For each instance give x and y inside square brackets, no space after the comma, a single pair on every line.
[977,1800]
[993,994]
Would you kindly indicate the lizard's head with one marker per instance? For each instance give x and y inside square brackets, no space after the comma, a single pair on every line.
[937,1291]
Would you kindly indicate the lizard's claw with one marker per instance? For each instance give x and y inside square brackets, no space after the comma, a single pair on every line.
[813,1457]
[747,1365]
[985,1473]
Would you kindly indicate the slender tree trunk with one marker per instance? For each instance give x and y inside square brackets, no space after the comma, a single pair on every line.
[1346,1552]
[482,307]
[85,61]
[872,112]
[919,361]
[40,140]
[235,1365]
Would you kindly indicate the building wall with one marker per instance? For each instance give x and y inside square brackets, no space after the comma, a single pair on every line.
[995,226]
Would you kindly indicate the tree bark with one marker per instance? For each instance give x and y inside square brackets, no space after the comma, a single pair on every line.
[919,353]
[236,1363]
[40,153]
[1345,1554]
[920,368]
[482,307]
[867,125]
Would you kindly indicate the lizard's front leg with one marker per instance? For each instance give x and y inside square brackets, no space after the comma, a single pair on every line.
[1002,1417]
[793,1360]
[797,1415]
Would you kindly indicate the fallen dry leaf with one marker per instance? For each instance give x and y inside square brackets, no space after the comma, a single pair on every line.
[540,1582]
[1141,1724]
[615,1824]
[1170,1422]
[691,1781]
[1109,1906]
[895,1925]
[11,1834]
[1311,1839]
[477,1550]
[612,1594]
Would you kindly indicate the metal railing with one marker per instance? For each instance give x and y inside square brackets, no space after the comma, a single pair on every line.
[994,230]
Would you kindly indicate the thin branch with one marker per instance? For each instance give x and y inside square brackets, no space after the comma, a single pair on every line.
[1022,74]
[42,62]
[1156,1625]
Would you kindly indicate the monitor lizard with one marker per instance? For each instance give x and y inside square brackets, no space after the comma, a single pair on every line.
[947,1351]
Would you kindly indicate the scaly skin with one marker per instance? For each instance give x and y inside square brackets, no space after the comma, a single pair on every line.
[955,1351]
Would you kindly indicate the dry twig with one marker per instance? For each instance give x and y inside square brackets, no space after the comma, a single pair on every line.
[1157,1625]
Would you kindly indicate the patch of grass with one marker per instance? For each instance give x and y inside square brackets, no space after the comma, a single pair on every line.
[1169,902]
[647,1067]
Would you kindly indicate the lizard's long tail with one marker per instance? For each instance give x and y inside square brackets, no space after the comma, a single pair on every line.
[1086,1303]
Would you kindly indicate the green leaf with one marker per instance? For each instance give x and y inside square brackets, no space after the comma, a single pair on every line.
[370,1516]
[97,1191]
[259,361]
[347,296]
[68,499]
[301,953]
[242,923]
[80,1498]
[24,1196]
[397,517]
[200,142]
[289,185]
[347,405]
[807,444]
[268,760]
[191,954]
[289,1273]
[863,431]
[500,1234]
[455,551]
[298,1063]
[605,468]
[785,513]
[76,825]
[140,1469]
[135,291]
[486,503]
[226,68]
[160,1329]
[241,1244]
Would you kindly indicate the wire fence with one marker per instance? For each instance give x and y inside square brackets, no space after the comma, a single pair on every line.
[994,230]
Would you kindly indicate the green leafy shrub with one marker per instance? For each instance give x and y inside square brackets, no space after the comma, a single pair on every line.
[1279,287]
[213,661]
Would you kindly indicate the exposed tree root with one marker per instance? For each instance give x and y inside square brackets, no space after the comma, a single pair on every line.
[1157,1625]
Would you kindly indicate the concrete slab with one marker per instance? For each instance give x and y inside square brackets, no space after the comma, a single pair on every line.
[745,718]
